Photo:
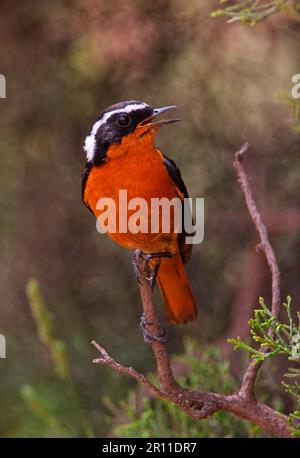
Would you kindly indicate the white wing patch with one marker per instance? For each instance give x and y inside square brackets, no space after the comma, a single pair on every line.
[90,141]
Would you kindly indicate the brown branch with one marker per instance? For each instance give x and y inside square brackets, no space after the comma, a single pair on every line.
[106,360]
[248,383]
[264,245]
[197,404]
[164,371]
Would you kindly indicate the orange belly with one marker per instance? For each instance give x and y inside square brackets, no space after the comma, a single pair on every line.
[142,174]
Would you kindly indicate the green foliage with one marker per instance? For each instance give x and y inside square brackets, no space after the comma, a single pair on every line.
[205,369]
[45,326]
[61,412]
[254,11]
[274,338]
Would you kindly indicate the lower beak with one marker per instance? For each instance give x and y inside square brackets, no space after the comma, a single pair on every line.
[156,112]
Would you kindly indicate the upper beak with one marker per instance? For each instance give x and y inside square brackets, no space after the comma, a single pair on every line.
[156,112]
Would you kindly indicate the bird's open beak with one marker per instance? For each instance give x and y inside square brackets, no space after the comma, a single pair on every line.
[156,112]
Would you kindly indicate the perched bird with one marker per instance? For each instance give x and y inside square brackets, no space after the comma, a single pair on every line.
[121,155]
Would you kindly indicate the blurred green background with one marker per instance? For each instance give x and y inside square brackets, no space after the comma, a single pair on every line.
[64,62]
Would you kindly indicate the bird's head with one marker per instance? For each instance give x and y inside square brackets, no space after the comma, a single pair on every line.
[125,120]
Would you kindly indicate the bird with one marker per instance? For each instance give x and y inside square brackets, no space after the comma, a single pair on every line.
[121,155]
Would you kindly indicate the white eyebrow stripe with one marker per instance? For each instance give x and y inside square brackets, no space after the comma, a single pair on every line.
[127,109]
[90,142]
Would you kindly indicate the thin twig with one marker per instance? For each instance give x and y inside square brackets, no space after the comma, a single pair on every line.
[248,383]
[264,245]
[106,360]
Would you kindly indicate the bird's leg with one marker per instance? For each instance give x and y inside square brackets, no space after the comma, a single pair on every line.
[163,254]
[153,276]
[151,272]
[135,267]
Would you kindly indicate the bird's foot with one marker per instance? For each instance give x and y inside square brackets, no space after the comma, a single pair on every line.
[149,338]
[153,274]
[151,271]
[136,270]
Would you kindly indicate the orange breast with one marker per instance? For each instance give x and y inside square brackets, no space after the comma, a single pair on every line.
[138,168]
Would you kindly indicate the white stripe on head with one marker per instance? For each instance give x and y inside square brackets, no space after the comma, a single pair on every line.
[90,141]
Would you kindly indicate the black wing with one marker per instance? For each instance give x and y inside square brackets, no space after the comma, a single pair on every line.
[175,175]
[84,177]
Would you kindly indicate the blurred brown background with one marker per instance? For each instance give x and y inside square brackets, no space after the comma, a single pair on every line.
[64,62]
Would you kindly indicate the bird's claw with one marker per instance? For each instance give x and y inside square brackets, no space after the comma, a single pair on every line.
[136,270]
[146,258]
[149,338]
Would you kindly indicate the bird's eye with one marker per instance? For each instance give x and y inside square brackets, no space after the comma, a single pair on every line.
[123,120]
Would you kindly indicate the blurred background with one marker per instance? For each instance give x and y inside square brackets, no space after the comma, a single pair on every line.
[64,62]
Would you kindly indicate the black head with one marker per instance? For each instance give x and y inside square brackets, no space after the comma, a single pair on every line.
[118,121]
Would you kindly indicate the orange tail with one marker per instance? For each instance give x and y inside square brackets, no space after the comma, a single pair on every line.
[180,305]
